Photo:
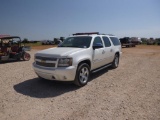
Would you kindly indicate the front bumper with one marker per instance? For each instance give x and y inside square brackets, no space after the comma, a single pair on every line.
[59,74]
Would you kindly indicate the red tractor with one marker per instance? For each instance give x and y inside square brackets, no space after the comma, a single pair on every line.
[12,49]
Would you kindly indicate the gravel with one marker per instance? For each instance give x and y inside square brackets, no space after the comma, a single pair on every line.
[130,92]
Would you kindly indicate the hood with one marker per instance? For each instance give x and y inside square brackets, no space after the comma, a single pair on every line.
[58,52]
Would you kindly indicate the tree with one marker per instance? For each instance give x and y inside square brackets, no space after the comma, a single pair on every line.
[25,40]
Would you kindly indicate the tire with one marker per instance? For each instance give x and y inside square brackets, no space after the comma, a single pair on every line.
[26,56]
[82,75]
[40,78]
[115,62]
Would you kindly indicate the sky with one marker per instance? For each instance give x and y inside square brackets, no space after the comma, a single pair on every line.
[48,19]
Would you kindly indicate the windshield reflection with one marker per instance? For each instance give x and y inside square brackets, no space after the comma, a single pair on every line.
[78,42]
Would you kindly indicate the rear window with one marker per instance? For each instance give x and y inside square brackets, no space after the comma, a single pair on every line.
[115,41]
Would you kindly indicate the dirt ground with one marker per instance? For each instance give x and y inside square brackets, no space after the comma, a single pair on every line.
[130,92]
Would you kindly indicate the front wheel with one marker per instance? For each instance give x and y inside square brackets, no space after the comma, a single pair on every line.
[115,62]
[26,56]
[40,78]
[82,75]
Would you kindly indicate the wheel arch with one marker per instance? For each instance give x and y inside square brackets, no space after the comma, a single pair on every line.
[117,53]
[77,80]
[87,61]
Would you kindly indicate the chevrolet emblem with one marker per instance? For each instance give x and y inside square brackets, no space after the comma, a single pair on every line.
[43,61]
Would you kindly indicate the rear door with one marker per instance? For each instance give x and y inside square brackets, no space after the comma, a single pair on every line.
[116,45]
[109,52]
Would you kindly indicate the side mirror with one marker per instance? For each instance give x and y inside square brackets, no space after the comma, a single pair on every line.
[97,45]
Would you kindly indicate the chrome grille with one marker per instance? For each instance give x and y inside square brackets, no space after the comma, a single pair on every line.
[45,64]
[45,58]
[46,61]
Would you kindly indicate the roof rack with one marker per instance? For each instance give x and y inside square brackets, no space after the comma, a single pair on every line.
[107,34]
[87,33]
[90,33]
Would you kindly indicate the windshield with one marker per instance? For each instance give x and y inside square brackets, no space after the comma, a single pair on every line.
[80,42]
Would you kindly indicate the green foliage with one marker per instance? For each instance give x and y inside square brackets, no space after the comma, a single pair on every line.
[25,40]
[33,44]
[144,40]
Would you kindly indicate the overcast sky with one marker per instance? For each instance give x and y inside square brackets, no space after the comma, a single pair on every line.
[46,19]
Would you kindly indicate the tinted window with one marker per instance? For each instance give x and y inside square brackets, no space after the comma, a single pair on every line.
[81,42]
[115,41]
[106,41]
[97,41]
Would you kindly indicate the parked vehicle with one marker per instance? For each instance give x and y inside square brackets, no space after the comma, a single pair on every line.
[126,42]
[51,42]
[62,38]
[47,42]
[151,42]
[12,49]
[77,57]
[136,40]
[57,41]
[158,42]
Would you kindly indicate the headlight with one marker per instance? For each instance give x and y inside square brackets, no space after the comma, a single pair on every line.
[64,62]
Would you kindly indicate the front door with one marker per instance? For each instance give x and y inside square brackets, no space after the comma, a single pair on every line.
[98,54]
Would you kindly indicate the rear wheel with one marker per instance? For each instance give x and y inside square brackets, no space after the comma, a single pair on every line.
[115,62]
[82,75]
[26,56]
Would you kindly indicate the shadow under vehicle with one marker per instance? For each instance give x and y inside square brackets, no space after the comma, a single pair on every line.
[12,49]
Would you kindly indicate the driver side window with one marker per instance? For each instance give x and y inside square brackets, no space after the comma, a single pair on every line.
[97,41]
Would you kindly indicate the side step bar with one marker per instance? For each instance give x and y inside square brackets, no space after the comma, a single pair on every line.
[96,70]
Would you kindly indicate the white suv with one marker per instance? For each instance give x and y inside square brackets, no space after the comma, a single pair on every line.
[77,57]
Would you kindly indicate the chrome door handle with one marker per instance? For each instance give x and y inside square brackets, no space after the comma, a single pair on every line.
[103,52]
